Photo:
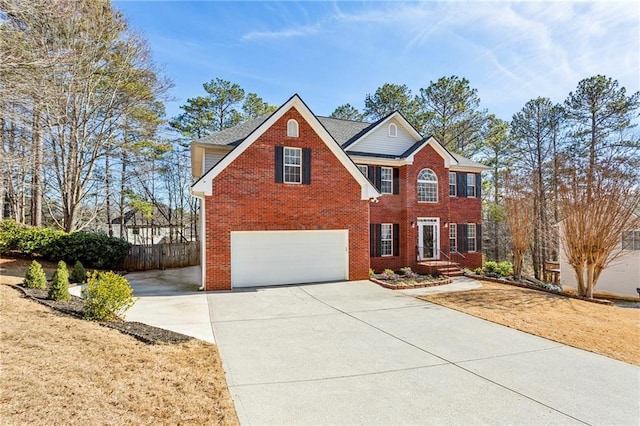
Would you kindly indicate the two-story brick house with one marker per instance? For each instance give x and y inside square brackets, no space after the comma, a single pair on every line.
[292,197]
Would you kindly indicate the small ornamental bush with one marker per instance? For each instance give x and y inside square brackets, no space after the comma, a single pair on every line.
[407,272]
[78,273]
[505,268]
[478,271]
[371,273]
[35,277]
[107,295]
[59,289]
[491,267]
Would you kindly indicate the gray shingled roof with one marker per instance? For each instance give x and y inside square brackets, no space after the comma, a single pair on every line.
[344,132]
[233,135]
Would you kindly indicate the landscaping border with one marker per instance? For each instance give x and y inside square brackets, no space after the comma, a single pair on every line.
[515,284]
[155,334]
[381,283]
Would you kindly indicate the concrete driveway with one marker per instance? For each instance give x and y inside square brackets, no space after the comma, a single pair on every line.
[170,299]
[355,353]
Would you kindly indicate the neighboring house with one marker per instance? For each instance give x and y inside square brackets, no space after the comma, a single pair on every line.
[291,197]
[621,277]
[141,230]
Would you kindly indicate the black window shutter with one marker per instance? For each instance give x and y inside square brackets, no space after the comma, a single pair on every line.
[396,180]
[378,240]
[462,184]
[462,237]
[478,185]
[372,240]
[396,239]
[378,180]
[371,171]
[306,166]
[479,237]
[279,163]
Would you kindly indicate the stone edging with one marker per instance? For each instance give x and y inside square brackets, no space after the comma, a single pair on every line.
[507,282]
[410,286]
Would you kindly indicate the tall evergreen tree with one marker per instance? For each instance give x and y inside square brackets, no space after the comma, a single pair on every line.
[347,112]
[389,98]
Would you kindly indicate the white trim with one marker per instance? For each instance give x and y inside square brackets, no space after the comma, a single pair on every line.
[203,186]
[377,161]
[436,250]
[449,160]
[393,134]
[284,165]
[203,244]
[296,133]
[386,180]
[424,181]
[469,169]
[391,240]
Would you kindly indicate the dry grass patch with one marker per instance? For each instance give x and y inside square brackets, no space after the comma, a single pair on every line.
[606,330]
[60,370]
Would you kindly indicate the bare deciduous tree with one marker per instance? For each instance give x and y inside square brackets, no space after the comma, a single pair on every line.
[520,214]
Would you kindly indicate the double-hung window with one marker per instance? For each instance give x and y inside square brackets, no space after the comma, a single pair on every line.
[363,169]
[452,184]
[386,239]
[292,165]
[453,237]
[471,237]
[386,180]
[471,185]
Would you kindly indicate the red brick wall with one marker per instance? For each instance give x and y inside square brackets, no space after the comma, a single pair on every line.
[405,209]
[246,197]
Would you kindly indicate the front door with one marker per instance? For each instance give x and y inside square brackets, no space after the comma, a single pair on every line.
[428,247]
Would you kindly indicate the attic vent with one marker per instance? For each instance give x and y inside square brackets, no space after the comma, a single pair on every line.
[393,130]
[292,128]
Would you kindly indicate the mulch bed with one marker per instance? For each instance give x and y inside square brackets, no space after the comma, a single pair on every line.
[74,307]
[401,284]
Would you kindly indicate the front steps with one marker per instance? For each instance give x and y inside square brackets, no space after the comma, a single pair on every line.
[439,267]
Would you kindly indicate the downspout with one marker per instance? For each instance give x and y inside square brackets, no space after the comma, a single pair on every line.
[203,242]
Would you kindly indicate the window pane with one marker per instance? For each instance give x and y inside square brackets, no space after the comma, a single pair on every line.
[386,239]
[292,165]
[363,169]
[471,237]
[453,237]
[471,185]
[386,180]
[452,184]
[427,186]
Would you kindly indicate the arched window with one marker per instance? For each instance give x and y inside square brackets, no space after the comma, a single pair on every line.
[292,128]
[427,186]
[393,130]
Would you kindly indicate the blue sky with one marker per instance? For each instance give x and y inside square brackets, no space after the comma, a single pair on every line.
[332,53]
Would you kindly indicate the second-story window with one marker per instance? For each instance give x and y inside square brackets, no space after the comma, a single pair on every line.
[427,186]
[452,184]
[363,169]
[292,128]
[292,165]
[471,185]
[386,180]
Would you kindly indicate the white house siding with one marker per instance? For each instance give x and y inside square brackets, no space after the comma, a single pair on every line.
[379,141]
[211,158]
[621,277]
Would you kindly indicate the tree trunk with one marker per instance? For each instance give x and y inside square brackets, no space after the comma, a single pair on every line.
[36,173]
[107,184]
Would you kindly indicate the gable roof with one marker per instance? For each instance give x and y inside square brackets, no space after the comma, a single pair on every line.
[394,115]
[202,187]
[233,135]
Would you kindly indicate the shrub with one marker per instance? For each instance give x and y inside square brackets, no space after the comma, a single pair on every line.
[59,289]
[505,268]
[93,250]
[107,296]
[388,272]
[407,272]
[490,266]
[33,240]
[78,273]
[478,271]
[35,277]
[9,234]
[371,273]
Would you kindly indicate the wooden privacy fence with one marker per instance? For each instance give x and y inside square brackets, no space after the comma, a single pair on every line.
[161,256]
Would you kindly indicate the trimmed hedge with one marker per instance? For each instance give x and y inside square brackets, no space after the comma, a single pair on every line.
[107,295]
[93,250]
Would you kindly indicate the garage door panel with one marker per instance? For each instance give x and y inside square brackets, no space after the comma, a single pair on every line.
[260,258]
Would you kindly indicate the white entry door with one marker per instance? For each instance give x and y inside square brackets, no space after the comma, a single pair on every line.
[263,258]
[429,239]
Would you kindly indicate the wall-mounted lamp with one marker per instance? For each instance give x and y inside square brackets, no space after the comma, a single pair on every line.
[413,224]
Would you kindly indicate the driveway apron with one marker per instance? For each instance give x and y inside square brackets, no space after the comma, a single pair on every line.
[355,353]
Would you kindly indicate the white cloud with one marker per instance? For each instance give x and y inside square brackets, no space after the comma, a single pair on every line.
[284,33]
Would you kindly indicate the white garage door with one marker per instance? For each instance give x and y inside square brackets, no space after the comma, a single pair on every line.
[262,258]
